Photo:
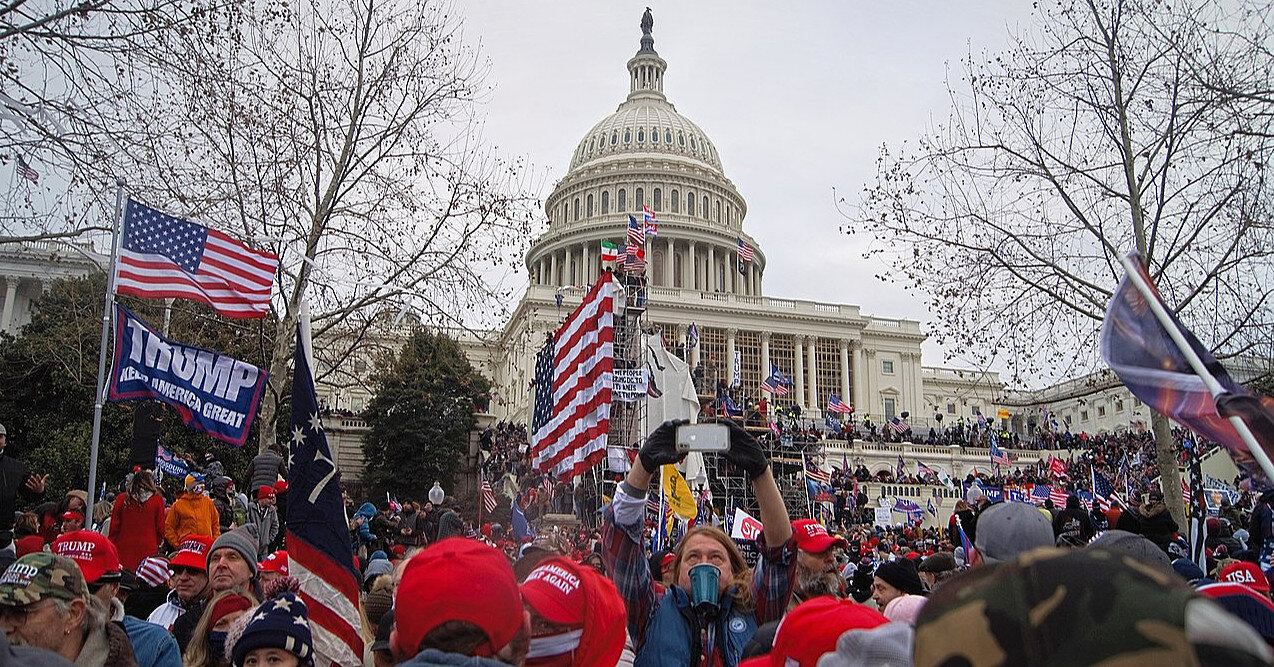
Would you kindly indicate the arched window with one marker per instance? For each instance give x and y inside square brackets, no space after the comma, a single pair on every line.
[641,198]
[572,272]
[676,202]
[692,143]
[591,143]
[655,198]
[605,202]
[588,206]
[623,200]
[705,207]
[577,209]
[681,139]
[717,204]
[654,136]
[614,137]
[628,136]
[641,134]
[690,203]
[667,136]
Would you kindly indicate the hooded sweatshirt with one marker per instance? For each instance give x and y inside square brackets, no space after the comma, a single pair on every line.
[191,514]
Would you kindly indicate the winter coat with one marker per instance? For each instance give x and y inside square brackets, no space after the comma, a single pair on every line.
[1157,525]
[13,479]
[266,519]
[107,646]
[152,645]
[267,468]
[364,531]
[167,613]
[450,525]
[191,514]
[672,638]
[137,528]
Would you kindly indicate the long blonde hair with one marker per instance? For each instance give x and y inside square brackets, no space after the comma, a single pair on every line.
[197,654]
[744,600]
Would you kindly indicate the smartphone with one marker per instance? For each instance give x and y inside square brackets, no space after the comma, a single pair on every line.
[703,438]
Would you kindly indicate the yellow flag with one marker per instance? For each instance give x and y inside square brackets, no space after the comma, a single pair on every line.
[678,495]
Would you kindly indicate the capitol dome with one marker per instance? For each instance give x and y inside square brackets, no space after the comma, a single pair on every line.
[648,155]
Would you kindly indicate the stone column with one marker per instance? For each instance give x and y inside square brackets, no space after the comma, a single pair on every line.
[553,270]
[586,270]
[814,398]
[856,346]
[729,356]
[693,282]
[10,296]
[844,372]
[870,383]
[711,282]
[694,353]
[765,354]
[798,369]
[669,258]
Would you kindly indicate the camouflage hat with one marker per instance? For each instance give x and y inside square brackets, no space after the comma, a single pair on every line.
[39,576]
[1078,607]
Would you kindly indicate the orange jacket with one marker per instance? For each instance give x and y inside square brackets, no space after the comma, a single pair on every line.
[191,514]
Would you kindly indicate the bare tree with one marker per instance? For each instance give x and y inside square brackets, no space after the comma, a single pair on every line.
[342,135]
[1093,135]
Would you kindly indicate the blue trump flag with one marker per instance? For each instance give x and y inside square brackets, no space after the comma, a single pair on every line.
[211,392]
[319,550]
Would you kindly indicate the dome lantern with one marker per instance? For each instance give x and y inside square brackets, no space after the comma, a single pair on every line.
[646,69]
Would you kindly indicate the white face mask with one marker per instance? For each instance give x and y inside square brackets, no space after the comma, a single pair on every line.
[548,645]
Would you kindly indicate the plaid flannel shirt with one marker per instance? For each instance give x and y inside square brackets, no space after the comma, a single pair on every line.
[625,558]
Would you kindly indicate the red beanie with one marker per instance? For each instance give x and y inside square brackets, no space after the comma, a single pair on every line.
[457,579]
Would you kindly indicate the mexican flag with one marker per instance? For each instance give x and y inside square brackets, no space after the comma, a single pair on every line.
[610,251]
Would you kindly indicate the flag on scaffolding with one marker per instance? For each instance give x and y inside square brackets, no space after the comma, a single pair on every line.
[574,374]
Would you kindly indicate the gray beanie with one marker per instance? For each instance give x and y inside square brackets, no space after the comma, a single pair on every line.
[887,645]
[378,567]
[240,540]
[1131,544]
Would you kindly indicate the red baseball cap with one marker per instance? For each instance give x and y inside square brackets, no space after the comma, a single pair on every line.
[554,591]
[265,492]
[192,552]
[1248,574]
[275,562]
[281,486]
[96,555]
[667,560]
[812,628]
[812,537]
[457,579]
[73,515]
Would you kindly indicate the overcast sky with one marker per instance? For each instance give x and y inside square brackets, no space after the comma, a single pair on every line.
[797,96]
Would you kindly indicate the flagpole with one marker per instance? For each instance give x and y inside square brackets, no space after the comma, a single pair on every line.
[107,314]
[1195,362]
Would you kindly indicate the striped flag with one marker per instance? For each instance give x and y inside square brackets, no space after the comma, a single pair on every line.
[634,258]
[164,257]
[834,404]
[1040,493]
[997,455]
[776,383]
[898,426]
[25,170]
[636,232]
[573,392]
[319,552]
[649,223]
[488,497]
[1102,491]
[1058,494]
[924,470]
[746,253]
[610,251]
[817,474]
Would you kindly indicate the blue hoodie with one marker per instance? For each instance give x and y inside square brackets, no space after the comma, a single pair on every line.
[367,511]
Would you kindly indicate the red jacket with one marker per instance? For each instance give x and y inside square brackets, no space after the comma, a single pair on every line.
[137,529]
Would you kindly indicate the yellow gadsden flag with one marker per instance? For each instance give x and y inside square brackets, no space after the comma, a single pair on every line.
[678,495]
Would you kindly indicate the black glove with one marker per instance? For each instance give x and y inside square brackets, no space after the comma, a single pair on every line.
[661,447]
[744,451]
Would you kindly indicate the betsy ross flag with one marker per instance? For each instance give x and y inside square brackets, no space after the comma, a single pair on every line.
[25,170]
[1140,349]
[834,404]
[573,382]
[746,253]
[163,257]
[649,223]
[319,553]
[610,251]
[777,383]
[636,232]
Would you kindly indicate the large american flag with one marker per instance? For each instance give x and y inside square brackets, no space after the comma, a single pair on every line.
[745,251]
[636,232]
[1102,491]
[834,404]
[319,552]
[573,383]
[162,257]
[25,170]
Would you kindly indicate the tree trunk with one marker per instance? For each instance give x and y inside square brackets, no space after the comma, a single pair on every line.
[1169,473]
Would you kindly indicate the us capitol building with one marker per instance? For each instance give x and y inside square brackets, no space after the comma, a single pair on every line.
[647,154]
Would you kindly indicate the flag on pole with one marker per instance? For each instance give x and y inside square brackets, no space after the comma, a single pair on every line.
[488,496]
[521,527]
[610,251]
[636,232]
[902,469]
[634,258]
[930,508]
[965,544]
[834,404]
[898,426]
[1057,467]
[164,257]
[816,474]
[1102,490]
[1143,353]
[319,552]
[25,170]
[833,425]
[692,336]
[997,455]
[923,470]
[746,253]
[776,383]
[649,223]
[573,386]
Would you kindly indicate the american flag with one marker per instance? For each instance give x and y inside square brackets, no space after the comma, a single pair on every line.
[1058,494]
[924,470]
[1185,493]
[319,552]
[649,223]
[745,251]
[817,474]
[488,497]
[1040,493]
[997,455]
[834,404]
[164,257]
[573,391]
[636,232]
[777,383]
[25,170]
[902,468]
[634,258]
[898,426]
[1102,490]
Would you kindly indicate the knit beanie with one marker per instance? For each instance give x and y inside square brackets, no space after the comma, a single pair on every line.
[377,603]
[887,645]
[376,568]
[905,608]
[282,622]
[901,574]
[240,540]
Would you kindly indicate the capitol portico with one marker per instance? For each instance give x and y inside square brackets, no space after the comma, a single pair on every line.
[647,154]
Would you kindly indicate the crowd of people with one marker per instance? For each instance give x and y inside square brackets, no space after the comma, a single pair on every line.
[202,578]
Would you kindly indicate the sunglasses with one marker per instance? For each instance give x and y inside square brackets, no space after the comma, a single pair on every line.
[179,570]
